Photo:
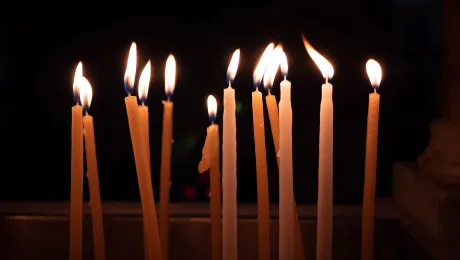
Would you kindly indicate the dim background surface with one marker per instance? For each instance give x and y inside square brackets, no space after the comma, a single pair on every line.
[41,46]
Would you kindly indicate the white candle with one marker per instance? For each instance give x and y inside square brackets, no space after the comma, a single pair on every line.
[229,183]
[325,164]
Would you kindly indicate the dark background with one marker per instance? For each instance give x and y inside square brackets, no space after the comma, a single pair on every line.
[41,46]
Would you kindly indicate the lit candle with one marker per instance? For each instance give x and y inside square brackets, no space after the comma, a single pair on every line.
[143,88]
[166,143]
[229,201]
[263,213]
[210,160]
[142,166]
[76,185]
[367,239]
[86,94]
[325,164]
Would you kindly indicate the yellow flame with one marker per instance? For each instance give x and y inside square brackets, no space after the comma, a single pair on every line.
[86,92]
[262,65]
[272,68]
[130,73]
[144,82]
[374,71]
[212,106]
[323,64]
[170,75]
[233,66]
[284,64]
[76,78]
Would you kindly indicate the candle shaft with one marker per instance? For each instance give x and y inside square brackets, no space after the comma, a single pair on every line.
[165,175]
[263,213]
[76,188]
[367,237]
[144,179]
[286,185]
[144,128]
[216,227]
[229,180]
[325,178]
[94,191]
[272,108]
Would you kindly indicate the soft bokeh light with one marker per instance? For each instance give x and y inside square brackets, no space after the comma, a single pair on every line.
[272,67]
[374,71]
[233,66]
[284,64]
[262,65]
[86,93]
[130,73]
[170,76]
[76,78]
[323,64]
[212,108]
[144,82]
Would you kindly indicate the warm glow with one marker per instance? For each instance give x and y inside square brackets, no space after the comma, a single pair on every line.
[324,65]
[284,64]
[233,66]
[374,71]
[170,75]
[130,73]
[144,82]
[76,78]
[212,108]
[86,92]
[262,65]
[272,67]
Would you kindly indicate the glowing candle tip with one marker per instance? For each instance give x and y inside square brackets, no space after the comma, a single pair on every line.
[272,67]
[130,73]
[212,108]
[144,82]
[76,78]
[233,66]
[323,64]
[262,65]
[170,76]
[86,93]
[374,72]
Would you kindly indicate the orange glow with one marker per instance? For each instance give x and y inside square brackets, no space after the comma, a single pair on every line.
[130,73]
[323,64]
[374,71]
[144,82]
[272,67]
[170,75]
[86,92]
[284,64]
[212,107]
[233,66]
[76,78]
[262,65]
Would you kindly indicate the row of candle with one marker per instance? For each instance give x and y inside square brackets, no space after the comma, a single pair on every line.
[223,236]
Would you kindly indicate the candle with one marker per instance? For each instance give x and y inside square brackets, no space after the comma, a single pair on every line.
[210,160]
[279,58]
[325,164]
[76,186]
[166,143]
[367,238]
[263,214]
[142,166]
[143,88]
[229,183]
[86,94]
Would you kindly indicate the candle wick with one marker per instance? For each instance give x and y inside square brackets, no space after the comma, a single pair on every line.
[129,94]
[269,92]
[284,77]
[375,89]
[143,103]
[327,80]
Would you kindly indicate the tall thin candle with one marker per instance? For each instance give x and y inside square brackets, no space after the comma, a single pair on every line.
[142,166]
[263,213]
[166,147]
[325,165]
[374,72]
[76,185]
[86,95]
[211,161]
[229,200]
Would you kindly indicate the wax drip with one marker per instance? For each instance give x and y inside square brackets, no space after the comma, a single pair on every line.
[205,161]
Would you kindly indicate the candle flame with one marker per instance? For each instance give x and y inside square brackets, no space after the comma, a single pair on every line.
[272,68]
[170,75]
[262,65]
[374,71]
[212,108]
[284,64]
[86,93]
[76,78]
[233,66]
[130,73]
[144,82]
[323,64]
